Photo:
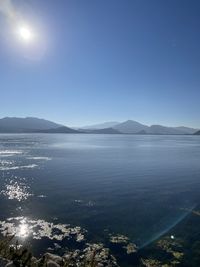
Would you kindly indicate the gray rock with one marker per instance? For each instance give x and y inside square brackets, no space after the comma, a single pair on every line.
[51,263]
[3,262]
[9,264]
[55,258]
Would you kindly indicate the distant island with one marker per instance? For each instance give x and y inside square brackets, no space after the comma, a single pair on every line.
[36,125]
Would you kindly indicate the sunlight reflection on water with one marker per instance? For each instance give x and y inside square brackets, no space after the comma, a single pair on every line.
[23,227]
[118,184]
[16,190]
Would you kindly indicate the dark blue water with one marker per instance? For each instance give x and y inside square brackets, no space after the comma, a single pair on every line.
[137,186]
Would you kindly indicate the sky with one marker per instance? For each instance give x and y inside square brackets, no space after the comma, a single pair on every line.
[103,60]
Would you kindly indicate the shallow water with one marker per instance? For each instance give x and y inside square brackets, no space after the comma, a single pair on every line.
[138,186]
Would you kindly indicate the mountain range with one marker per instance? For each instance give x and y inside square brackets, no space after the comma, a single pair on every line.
[35,125]
[134,127]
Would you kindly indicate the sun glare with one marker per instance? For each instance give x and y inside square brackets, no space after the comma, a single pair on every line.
[25,34]
[23,230]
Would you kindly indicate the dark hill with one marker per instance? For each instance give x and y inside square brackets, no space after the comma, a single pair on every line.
[62,129]
[197,133]
[29,124]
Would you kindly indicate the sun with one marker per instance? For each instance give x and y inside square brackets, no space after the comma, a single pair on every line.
[25,33]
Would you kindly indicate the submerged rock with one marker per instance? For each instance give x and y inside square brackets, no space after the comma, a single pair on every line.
[87,253]
[152,263]
[124,242]
[119,239]
[95,254]
[38,229]
[130,248]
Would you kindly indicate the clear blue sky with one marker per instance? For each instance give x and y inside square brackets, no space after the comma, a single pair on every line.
[105,60]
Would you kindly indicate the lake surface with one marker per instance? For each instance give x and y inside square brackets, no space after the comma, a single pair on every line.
[141,187]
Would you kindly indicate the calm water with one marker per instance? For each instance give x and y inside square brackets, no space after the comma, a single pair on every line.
[138,186]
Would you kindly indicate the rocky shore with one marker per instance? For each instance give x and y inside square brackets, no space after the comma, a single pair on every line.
[83,253]
[94,255]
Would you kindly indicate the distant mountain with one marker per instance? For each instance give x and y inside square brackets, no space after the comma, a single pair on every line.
[134,127]
[197,133]
[102,131]
[187,129]
[25,124]
[35,125]
[131,127]
[32,125]
[62,129]
[159,129]
[104,125]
